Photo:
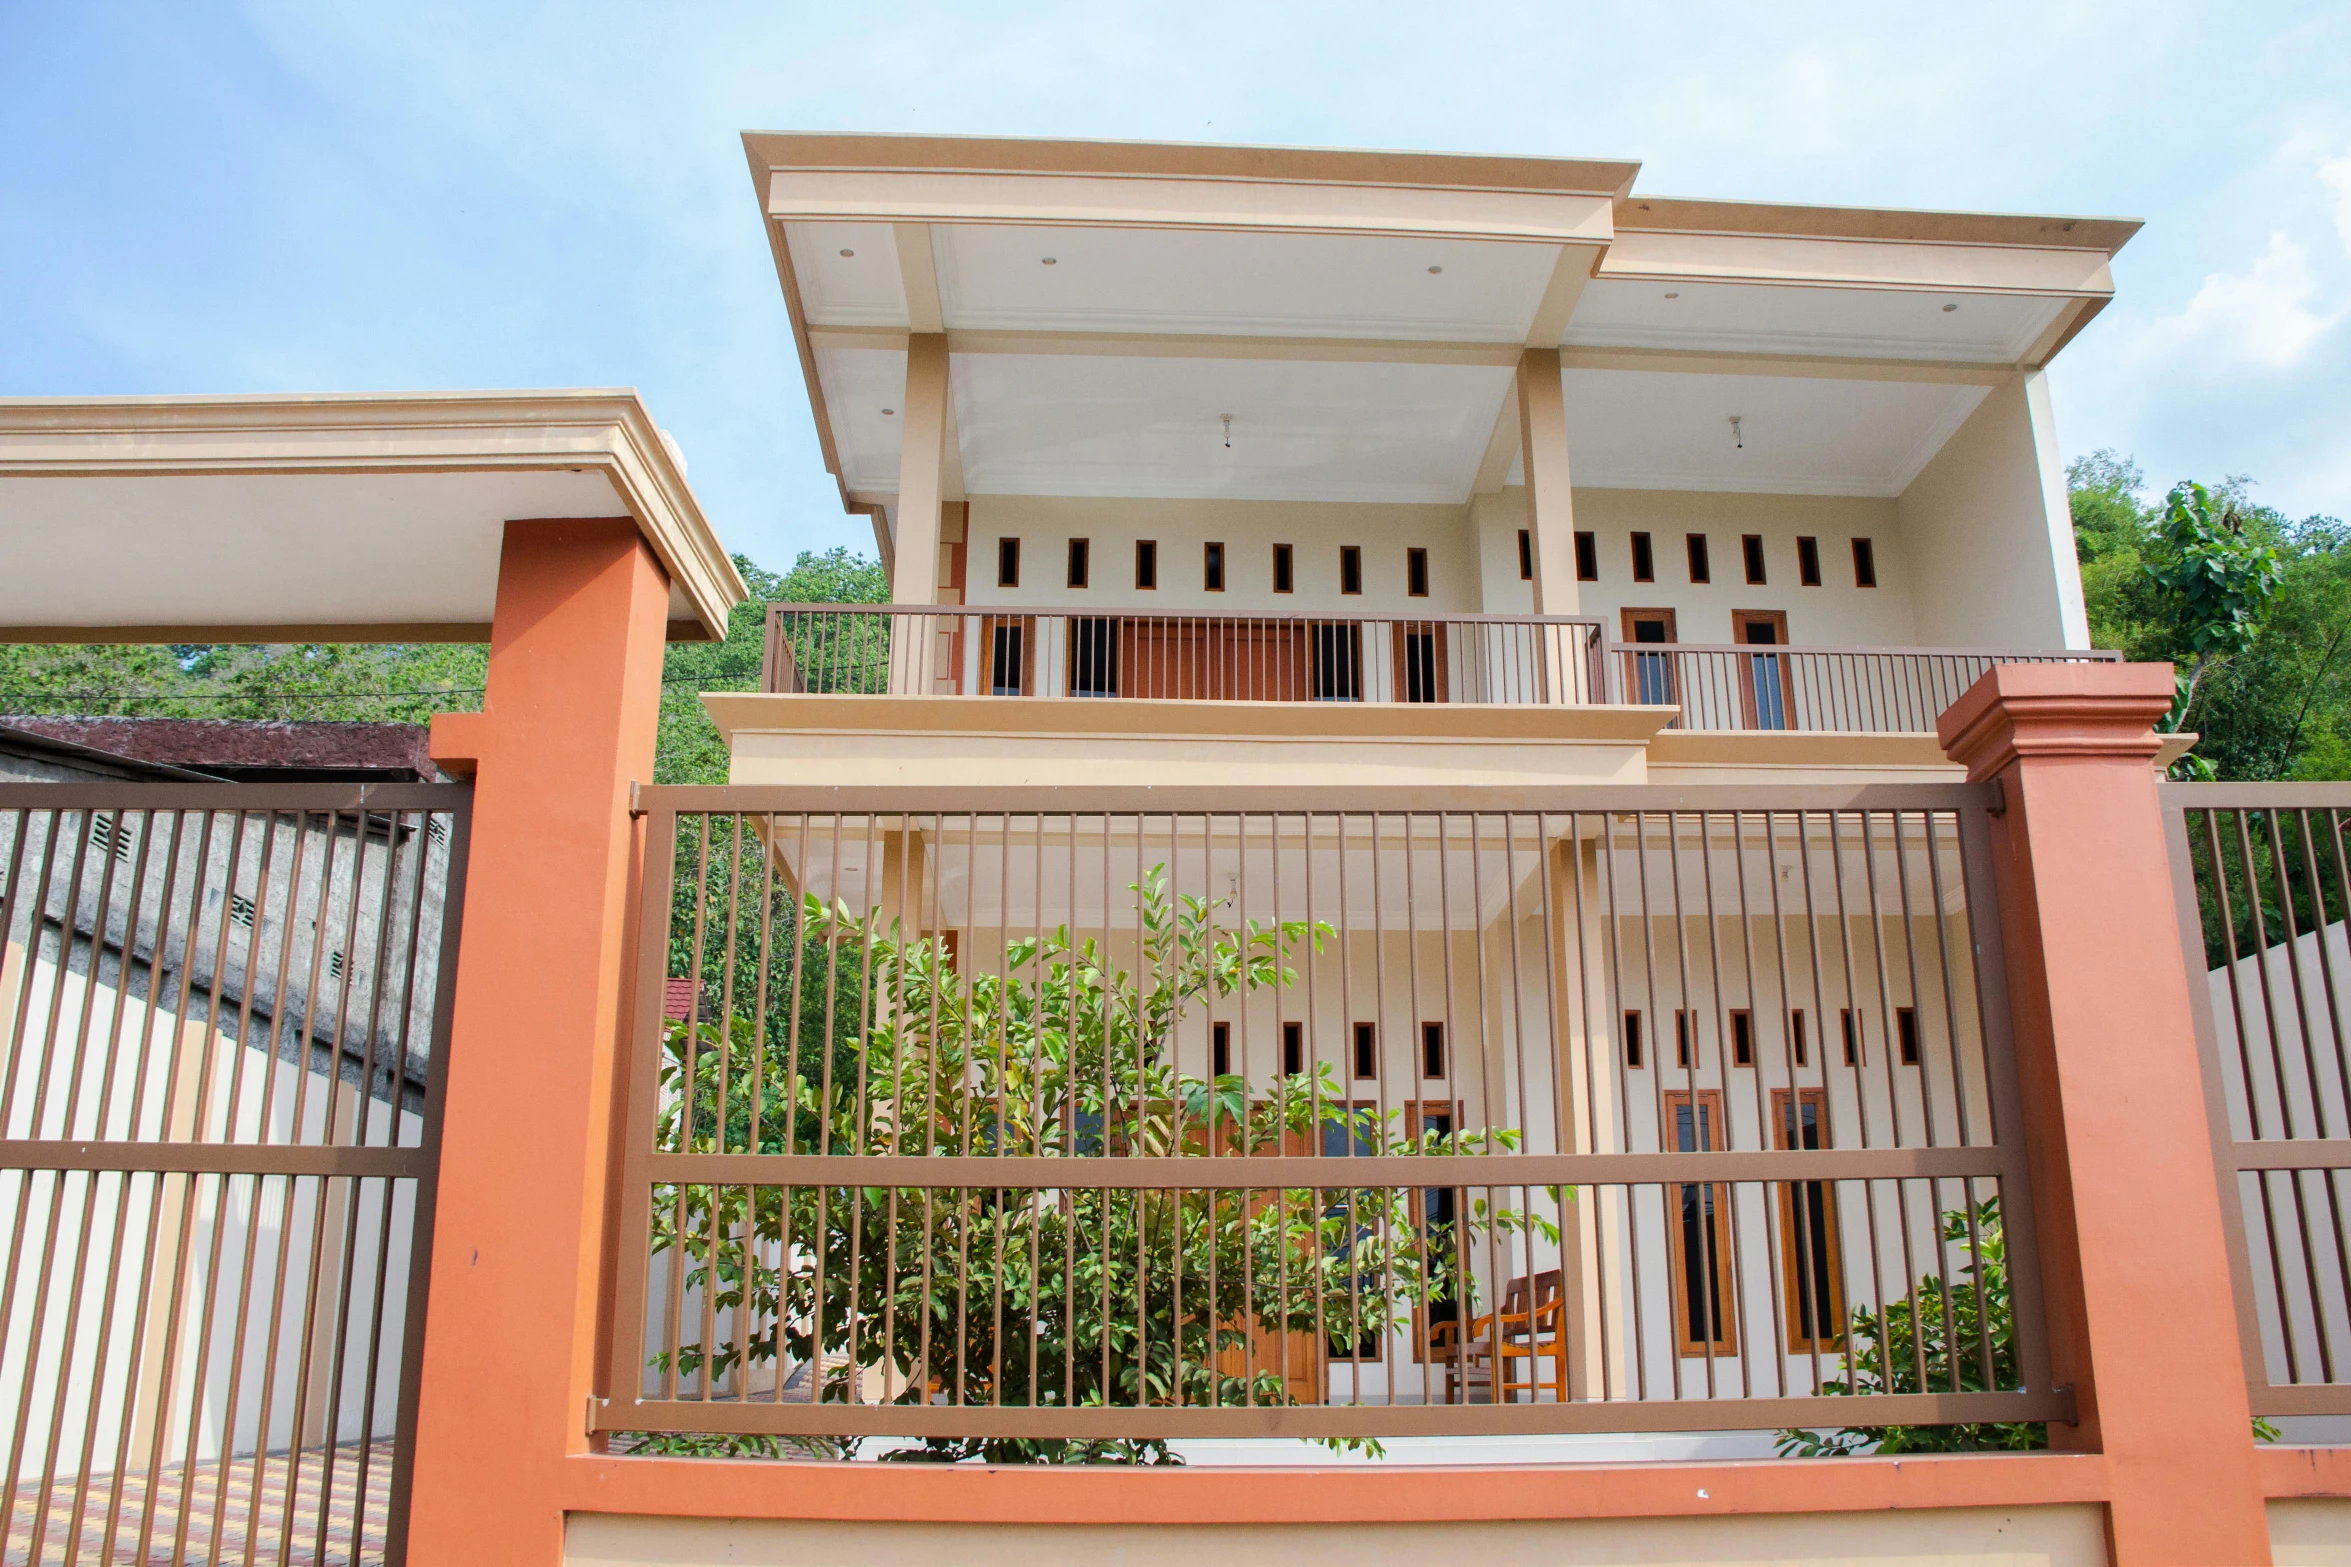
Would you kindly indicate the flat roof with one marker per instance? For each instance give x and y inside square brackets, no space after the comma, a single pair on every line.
[329,517]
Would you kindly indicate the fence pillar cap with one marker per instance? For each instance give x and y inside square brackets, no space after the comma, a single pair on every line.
[2088,710]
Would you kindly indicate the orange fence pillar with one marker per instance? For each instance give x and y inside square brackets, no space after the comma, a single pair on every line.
[2142,1320]
[569,721]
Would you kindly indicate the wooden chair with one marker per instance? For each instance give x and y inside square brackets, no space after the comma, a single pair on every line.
[1531,1326]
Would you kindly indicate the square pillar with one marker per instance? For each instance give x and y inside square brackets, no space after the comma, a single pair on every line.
[1542,444]
[2135,1265]
[518,1236]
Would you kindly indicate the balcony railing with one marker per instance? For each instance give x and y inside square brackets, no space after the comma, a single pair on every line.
[1519,660]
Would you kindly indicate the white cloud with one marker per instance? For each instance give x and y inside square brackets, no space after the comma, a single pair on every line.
[2335,175]
[2266,317]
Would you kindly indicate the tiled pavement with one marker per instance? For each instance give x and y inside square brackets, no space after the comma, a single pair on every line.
[231,1517]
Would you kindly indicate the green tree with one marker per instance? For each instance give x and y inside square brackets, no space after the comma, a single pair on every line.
[1076,1297]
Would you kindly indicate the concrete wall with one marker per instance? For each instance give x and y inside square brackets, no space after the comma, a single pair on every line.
[1987,523]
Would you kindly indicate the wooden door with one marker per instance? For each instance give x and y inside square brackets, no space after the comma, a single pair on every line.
[1419,666]
[1812,1271]
[1767,685]
[1650,678]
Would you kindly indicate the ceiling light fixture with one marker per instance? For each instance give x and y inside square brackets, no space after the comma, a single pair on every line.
[1433,271]
[1673,293]
[889,411]
[1228,432]
[847,252]
[1738,440]
[1947,309]
[1052,261]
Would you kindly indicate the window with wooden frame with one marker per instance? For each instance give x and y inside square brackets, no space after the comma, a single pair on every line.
[1906,1032]
[1808,561]
[1420,671]
[1654,676]
[1351,1218]
[1220,1050]
[1742,1037]
[1293,1048]
[1683,1025]
[1644,559]
[1526,554]
[1416,573]
[1851,1026]
[1008,563]
[1699,1224]
[1432,1050]
[1284,578]
[1865,564]
[1009,646]
[1751,554]
[1146,564]
[1812,1274]
[1435,1214]
[1212,568]
[1796,1039]
[1587,559]
[1351,569]
[1701,570]
[1632,1039]
[1367,1051]
[1080,562]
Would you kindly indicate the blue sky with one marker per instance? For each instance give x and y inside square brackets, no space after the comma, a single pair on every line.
[304,196]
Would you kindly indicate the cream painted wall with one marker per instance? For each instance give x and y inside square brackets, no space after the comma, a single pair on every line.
[1247,529]
[1836,614]
[2069,1536]
[1987,523]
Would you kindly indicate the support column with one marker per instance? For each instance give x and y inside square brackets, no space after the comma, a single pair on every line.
[1542,444]
[518,1232]
[914,571]
[2142,1321]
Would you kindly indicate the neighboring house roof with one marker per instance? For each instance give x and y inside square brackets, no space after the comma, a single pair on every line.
[28,756]
[243,751]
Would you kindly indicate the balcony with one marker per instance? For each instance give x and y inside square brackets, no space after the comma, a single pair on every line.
[1507,660]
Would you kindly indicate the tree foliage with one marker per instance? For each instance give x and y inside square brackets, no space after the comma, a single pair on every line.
[2252,606]
[1023,1298]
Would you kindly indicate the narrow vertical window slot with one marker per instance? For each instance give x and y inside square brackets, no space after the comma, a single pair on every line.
[1293,1049]
[1808,561]
[1432,1050]
[1367,1051]
[1865,564]
[1282,579]
[1080,562]
[1146,564]
[1212,568]
[1416,573]
[1751,547]
[1701,570]
[1351,569]
[1587,558]
[1644,559]
[1632,1040]
[1008,563]
[1742,1038]
[1220,1049]
[1906,1030]
[1526,555]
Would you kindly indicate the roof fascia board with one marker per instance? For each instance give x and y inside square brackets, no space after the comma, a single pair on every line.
[1256,206]
[410,432]
[1193,160]
[1663,214]
[1903,265]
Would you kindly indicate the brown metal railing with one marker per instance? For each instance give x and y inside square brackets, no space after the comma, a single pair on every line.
[1126,1116]
[982,651]
[1729,686]
[2264,895]
[218,1138]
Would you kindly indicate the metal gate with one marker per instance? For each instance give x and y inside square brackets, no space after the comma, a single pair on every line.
[221,1009]
[2260,871]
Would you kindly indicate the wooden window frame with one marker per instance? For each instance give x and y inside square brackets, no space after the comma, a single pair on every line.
[1285,569]
[1526,554]
[1856,1042]
[1293,1047]
[1351,571]
[1865,564]
[1212,566]
[1220,1050]
[1025,626]
[1146,565]
[1910,1042]
[1416,572]
[1707,1118]
[1587,558]
[1785,1105]
[1627,619]
[1751,710]
[1742,1026]
[1701,568]
[1365,1039]
[1685,1028]
[1751,557]
[1008,563]
[1440,672]
[1633,1059]
[1644,557]
[1807,560]
[1444,1049]
[1081,563]
[1796,1039]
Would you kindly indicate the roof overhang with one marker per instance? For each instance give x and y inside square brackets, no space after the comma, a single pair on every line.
[1359,314]
[341,517]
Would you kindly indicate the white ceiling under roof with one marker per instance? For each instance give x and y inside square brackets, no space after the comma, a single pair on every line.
[1640,430]
[1042,424]
[1755,318]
